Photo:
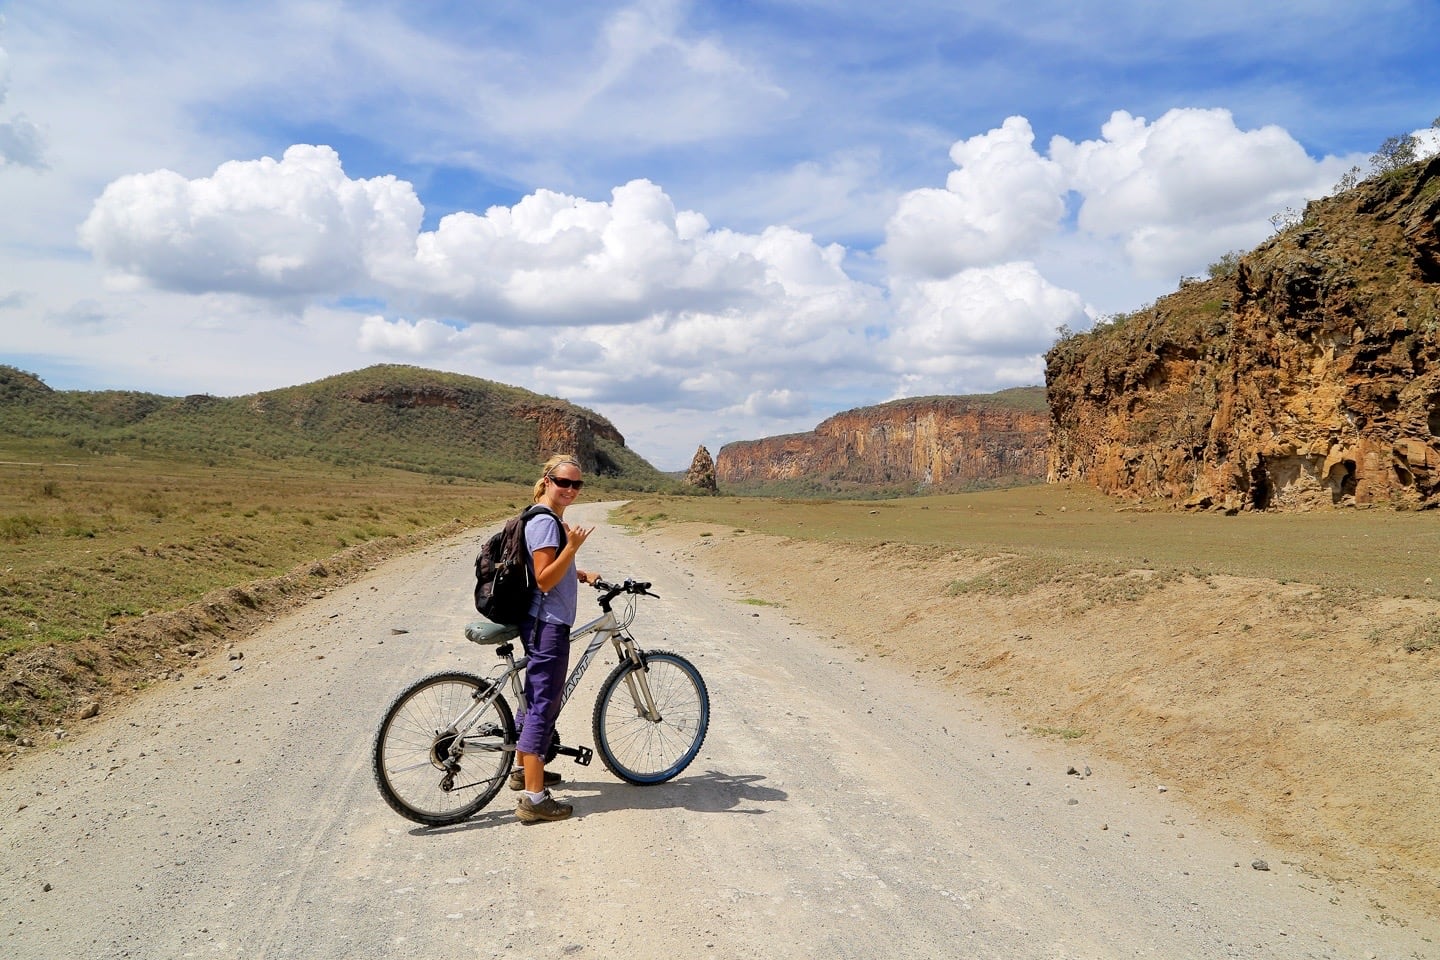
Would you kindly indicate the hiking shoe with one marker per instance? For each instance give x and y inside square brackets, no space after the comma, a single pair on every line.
[547,809]
[517,779]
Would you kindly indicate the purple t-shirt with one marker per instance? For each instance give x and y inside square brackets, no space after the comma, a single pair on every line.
[560,604]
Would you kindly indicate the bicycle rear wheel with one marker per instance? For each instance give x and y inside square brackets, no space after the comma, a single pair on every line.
[636,748]
[415,740]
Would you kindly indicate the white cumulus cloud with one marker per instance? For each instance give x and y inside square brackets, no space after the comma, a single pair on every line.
[780,402]
[977,330]
[293,227]
[1188,186]
[556,258]
[1171,194]
[1001,201]
[423,338]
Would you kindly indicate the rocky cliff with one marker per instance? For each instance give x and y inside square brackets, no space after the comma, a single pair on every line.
[933,443]
[1309,376]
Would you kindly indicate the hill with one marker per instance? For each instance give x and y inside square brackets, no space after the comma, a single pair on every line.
[387,416]
[1308,375]
[921,444]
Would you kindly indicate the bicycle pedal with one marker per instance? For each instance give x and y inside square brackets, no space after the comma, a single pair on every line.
[581,755]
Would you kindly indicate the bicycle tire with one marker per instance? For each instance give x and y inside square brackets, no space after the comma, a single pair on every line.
[643,751]
[413,738]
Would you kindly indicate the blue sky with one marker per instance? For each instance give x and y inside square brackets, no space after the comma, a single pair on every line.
[708,222]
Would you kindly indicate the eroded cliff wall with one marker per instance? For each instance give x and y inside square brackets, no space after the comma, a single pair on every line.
[1310,377]
[928,443]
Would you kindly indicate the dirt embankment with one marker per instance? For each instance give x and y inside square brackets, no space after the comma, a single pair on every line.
[47,689]
[1263,703]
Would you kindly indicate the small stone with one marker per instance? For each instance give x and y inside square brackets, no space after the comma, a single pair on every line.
[1259,865]
[47,888]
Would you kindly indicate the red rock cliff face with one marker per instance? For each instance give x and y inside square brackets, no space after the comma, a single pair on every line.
[936,442]
[564,430]
[1311,377]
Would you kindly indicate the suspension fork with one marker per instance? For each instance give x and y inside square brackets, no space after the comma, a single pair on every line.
[637,681]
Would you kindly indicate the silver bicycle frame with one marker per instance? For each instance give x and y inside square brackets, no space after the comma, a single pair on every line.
[604,627]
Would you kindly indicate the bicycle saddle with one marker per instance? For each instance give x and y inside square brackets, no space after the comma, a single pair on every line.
[485,632]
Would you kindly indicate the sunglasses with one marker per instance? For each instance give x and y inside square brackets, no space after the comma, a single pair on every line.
[565,484]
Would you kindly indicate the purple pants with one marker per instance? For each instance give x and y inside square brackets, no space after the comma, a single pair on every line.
[548,646]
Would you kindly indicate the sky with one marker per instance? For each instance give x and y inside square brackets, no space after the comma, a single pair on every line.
[707,222]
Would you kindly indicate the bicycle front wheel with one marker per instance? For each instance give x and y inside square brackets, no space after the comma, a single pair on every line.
[642,748]
[419,771]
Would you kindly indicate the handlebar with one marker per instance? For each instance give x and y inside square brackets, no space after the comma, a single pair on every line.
[613,590]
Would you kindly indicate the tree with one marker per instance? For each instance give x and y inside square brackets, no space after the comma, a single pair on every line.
[1225,266]
[1399,151]
[1348,181]
[1394,153]
[1285,219]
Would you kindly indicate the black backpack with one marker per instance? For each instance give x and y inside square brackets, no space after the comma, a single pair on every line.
[504,582]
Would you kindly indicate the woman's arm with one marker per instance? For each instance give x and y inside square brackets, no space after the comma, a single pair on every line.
[551,565]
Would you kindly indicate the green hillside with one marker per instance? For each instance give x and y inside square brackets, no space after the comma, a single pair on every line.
[390,416]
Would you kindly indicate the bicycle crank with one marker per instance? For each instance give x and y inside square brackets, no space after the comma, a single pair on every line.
[582,755]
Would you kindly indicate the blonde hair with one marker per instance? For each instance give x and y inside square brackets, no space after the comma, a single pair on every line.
[550,466]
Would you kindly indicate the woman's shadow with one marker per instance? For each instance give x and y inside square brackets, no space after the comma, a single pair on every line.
[708,792]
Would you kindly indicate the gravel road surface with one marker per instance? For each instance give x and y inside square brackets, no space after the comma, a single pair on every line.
[837,810]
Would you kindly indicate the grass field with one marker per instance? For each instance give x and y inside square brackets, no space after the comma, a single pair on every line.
[87,543]
[1054,530]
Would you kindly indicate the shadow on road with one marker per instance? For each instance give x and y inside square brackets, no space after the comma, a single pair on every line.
[708,792]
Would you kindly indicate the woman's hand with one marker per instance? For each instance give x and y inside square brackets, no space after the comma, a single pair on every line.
[577,535]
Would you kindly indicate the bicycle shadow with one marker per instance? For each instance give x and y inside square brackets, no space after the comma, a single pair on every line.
[708,792]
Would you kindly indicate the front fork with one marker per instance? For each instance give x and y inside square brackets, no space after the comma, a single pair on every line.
[637,681]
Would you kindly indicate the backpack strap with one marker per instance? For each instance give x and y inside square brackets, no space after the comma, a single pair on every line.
[532,511]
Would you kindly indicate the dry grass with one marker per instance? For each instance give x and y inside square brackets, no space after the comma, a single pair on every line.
[1042,532]
[114,569]
[87,547]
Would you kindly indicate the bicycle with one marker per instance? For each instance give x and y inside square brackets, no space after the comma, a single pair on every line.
[446,743]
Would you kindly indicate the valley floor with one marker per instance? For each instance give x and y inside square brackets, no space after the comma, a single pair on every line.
[1264,704]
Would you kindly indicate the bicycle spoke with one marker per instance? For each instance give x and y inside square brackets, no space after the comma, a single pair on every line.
[637,748]
[417,740]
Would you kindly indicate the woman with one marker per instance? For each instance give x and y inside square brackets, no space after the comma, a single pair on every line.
[546,632]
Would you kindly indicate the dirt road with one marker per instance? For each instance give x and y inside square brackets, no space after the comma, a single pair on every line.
[838,809]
